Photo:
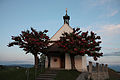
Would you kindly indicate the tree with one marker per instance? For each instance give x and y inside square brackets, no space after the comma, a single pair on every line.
[42,60]
[32,42]
[80,43]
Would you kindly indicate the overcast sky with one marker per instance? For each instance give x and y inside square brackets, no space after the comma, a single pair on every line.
[100,16]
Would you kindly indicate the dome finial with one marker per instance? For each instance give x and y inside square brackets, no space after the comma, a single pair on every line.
[66,10]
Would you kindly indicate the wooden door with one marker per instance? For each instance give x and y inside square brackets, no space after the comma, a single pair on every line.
[62,61]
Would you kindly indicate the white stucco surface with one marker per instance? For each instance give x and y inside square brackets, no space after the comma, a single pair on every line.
[55,64]
[84,64]
[78,62]
[67,62]
[64,28]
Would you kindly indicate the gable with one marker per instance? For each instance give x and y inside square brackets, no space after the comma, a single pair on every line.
[64,28]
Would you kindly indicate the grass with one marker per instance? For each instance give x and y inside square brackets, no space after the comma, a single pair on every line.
[11,73]
[67,75]
[18,74]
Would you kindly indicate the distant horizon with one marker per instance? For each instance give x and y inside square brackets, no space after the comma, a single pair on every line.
[16,64]
[13,63]
[114,67]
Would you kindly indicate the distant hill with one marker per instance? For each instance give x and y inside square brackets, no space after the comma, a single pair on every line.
[113,75]
[22,65]
[115,67]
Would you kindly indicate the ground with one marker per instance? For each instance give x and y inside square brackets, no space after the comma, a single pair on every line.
[14,73]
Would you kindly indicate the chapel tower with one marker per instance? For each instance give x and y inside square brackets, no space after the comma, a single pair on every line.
[66,18]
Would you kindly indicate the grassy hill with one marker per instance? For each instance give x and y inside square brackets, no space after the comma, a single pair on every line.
[14,73]
[113,75]
[17,73]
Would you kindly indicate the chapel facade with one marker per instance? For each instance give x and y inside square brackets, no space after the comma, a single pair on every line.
[56,59]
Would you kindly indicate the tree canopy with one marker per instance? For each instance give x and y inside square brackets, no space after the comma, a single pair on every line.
[32,42]
[80,43]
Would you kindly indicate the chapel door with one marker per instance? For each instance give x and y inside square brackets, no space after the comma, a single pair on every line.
[63,61]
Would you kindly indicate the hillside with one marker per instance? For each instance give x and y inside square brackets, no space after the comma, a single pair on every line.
[17,74]
[115,67]
[113,75]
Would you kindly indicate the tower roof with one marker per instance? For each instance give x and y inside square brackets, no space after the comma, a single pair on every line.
[66,16]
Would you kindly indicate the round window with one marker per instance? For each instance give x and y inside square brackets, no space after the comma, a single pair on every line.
[55,60]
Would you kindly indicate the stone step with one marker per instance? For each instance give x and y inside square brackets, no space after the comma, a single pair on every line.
[51,71]
[47,74]
[44,79]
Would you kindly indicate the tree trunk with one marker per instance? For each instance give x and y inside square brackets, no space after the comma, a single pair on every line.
[36,61]
[72,62]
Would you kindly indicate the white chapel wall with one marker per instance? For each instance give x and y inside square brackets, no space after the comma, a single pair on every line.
[55,62]
[64,28]
[67,61]
[84,64]
[78,62]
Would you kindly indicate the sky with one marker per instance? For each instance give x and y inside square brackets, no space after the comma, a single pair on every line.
[100,16]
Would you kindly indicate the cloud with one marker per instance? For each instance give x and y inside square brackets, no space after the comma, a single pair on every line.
[105,30]
[110,29]
[114,60]
[113,13]
[109,48]
[107,6]
[113,54]
[100,2]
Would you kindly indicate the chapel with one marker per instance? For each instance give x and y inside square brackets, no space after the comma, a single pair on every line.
[56,58]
